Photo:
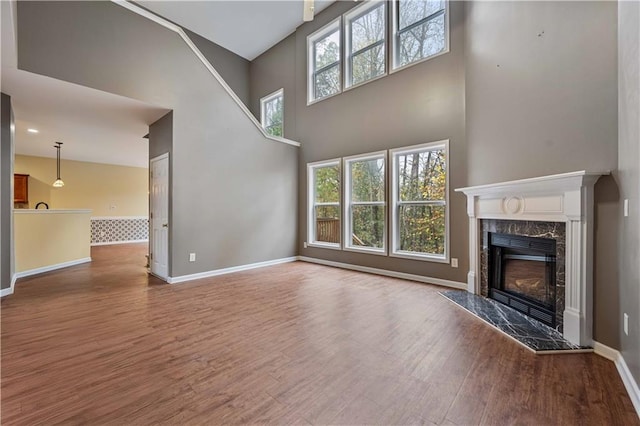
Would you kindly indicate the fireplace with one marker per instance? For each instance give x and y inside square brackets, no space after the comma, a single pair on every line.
[536,207]
[522,274]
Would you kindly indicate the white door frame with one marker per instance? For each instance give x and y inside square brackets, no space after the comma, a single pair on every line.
[163,222]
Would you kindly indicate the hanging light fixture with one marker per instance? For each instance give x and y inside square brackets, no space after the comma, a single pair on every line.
[58,183]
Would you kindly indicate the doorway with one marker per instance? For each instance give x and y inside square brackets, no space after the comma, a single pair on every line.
[159,216]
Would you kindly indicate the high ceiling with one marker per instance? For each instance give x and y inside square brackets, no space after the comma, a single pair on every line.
[245,27]
[101,127]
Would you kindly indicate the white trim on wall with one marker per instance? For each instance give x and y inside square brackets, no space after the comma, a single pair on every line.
[175,28]
[223,271]
[387,273]
[52,267]
[111,243]
[628,380]
[118,217]
[7,291]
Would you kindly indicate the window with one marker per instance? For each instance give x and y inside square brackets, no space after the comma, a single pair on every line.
[323,226]
[366,35]
[323,51]
[420,30]
[272,113]
[419,191]
[365,206]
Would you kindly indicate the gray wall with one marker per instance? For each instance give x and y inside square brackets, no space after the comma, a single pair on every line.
[541,98]
[233,191]
[527,89]
[420,104]
[161,142]
[629,176]
[233,68]
[6,193]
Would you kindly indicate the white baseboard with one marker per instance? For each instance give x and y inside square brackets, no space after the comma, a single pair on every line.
[183,278]
[387,273]
[110,243]
[627,378]
[8,291]
[52,267]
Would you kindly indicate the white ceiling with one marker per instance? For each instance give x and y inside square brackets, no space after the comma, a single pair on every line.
[245,27]
[93,126]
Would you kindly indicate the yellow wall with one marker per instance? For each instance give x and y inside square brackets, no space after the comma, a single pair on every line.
[106,189]
[46,239]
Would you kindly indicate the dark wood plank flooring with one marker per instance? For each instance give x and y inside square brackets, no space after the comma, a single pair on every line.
[103,343]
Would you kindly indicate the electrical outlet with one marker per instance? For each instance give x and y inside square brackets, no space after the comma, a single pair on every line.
[192,257]
[625,324]
[454,262]
[626,207]
[304,244]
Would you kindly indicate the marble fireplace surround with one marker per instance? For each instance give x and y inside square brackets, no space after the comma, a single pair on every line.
[566,198]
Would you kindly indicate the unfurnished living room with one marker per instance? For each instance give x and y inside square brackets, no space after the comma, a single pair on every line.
[384,212]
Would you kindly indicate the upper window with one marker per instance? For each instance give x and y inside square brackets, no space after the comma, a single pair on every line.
[366,35]
[272,113]
[419,28]
[365,206]
[324,203]
[419,197]
[323,50]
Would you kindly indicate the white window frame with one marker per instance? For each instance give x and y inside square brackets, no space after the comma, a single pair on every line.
[264,101]
[395,42]
[331,27]
[311,204]
[350,16]
[348,230]
[395,202]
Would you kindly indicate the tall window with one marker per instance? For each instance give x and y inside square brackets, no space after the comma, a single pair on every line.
[365,206]
[323,51]
[366,34]
[324,203]
[272,113]
[419,28]
[419,197]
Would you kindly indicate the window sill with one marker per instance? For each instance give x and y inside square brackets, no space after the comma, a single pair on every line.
[362,83]
[417,256]
[377,252]
[325,246]
[315,101]
[403,67]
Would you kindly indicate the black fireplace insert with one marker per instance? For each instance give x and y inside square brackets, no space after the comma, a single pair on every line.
[522,274]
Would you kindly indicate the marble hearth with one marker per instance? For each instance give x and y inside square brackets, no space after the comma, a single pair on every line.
[558,207]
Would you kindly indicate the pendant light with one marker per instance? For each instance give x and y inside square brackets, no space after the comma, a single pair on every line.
[58,183]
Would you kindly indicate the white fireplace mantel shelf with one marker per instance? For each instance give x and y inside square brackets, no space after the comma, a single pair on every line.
[567,198]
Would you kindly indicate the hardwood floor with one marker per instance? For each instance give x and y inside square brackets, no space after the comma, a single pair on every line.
[103,343]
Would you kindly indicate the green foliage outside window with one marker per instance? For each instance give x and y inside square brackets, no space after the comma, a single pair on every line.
[367,186]
[422,195]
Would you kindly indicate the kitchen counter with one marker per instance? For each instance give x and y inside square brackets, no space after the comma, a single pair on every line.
[51,239]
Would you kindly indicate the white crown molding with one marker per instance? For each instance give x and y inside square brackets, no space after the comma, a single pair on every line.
[386,273]
[223,271]
[628,380]
[175,28]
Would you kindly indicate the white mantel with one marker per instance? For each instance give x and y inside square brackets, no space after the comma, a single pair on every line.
[567,198]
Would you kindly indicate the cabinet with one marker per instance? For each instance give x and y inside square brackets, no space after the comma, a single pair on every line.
[20,188]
